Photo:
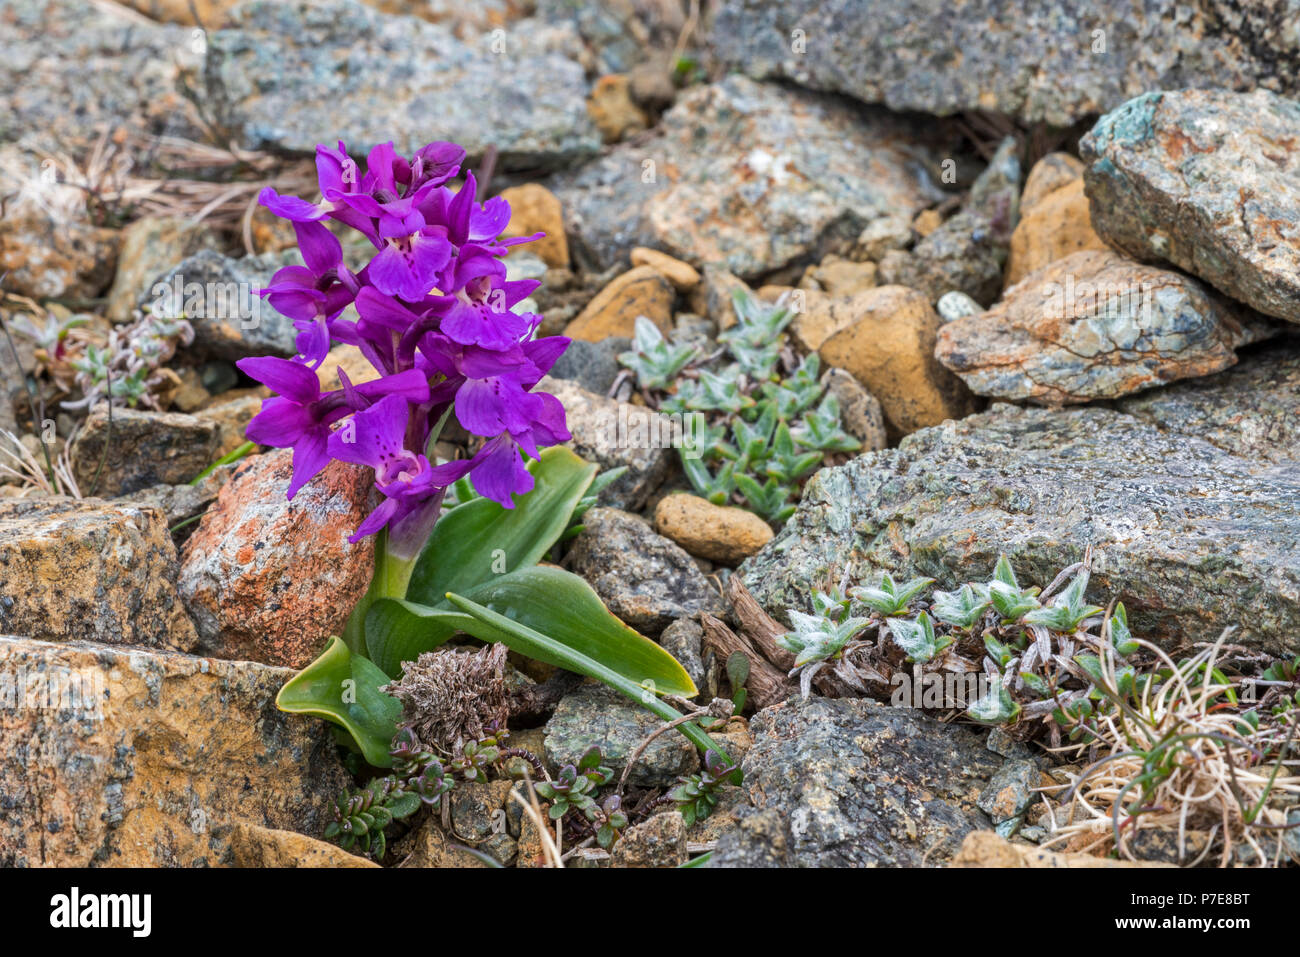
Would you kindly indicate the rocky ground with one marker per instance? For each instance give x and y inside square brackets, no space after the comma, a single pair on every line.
[1059,312]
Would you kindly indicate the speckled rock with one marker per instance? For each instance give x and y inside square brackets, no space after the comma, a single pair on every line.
[151,246]
[139,449]
[641,291]
[645,579]
[1009,793]
[1190,536]
[1096,325]
[181,502]
[601,716]
[291,75]
[74,68]
[968,251]
[860,411]
[612,434]
[219,297]
[49,244]
[943,57]
[889,347]
[719,533]
[658,841]
[853,783]
[748,177]
[267,579]
[252,845]
[144,759]
[1207,180]
[1252,410]
[684,640]
[1046,176]
[90,571]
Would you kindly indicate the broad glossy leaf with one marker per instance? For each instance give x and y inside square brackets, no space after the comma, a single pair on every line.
[472,538]
[486,625]
[344,688]
[549,600]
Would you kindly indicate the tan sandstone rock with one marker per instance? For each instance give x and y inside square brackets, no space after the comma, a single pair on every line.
[1059,224]
[612,109]
[641,291]
[90,571]
[252,845]
[987,849]
[717,532]
[1049,174]
[889,348]
[683,276]
[535,209]
[131,758]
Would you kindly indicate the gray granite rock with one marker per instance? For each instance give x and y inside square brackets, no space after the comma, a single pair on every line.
[1208,180]
[968,250]
[290,75]
[1096,325]
[592,365]
[614,434]
[1054,62]
[1251,410]
[1192,537]
[596,715]
[749,177]
[218,295]
[73,69]
[853,783]
[645,579]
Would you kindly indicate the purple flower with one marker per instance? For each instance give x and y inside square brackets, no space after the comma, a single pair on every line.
[376,438]
[436,317]
[315,293]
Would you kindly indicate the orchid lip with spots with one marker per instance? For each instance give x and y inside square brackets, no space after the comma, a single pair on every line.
[434,316]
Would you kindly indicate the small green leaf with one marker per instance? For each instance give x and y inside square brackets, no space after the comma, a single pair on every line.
[996,707]
[344,688]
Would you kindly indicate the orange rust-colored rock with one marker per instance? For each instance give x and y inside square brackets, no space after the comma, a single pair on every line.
[641,291]
[889,348]
[719,533]
[125,757]
[683,276]
[535,209]
[269,580]
[1058,224]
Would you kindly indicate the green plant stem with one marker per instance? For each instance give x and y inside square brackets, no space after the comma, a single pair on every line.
[234,455]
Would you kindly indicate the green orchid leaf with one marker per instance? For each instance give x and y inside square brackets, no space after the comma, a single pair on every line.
[343,688]
[476,540]
[543,598]
[487,625]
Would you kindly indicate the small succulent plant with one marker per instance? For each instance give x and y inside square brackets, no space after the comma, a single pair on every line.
[769,422]
[697,795]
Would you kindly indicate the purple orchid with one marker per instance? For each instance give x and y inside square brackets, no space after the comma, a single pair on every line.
[435,317]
